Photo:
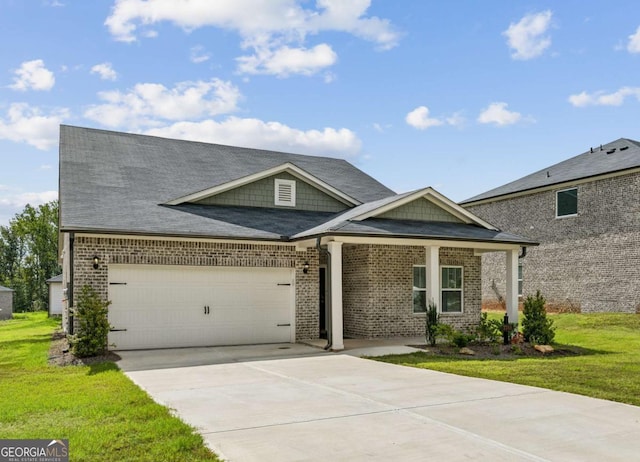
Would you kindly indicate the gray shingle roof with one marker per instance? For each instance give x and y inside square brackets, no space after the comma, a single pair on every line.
[622,154]
[57,278]
[5,289]
[114,182]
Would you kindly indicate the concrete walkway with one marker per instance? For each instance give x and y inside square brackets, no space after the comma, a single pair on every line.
[335,407]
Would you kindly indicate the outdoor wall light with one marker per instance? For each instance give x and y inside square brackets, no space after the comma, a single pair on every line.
[305,267]
[96,262]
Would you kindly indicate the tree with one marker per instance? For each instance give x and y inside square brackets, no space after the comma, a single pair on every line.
[29,255]
[536,327]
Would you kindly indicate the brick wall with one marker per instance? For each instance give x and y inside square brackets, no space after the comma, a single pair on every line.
[6,304]
[589,262]
[378,295]
[200,253]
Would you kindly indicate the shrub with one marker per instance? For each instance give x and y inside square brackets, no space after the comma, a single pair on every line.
[460,339]
[432,321]
[489,330]
[536,328]
[93,324]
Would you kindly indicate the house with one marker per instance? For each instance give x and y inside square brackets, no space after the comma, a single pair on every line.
[585,212]
[200,244]
[55,295]
[6,303]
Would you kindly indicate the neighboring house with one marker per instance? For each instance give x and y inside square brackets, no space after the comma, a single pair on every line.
[200,244]
[55,295]
[6,303]
[585,212]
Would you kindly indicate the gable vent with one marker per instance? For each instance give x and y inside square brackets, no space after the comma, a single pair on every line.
[285,193]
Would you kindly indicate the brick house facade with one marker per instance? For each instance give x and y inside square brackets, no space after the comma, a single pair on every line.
[225,245]
[588,261]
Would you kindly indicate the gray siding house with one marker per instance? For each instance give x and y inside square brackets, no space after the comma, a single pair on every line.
[6,303]
[585,212]
[198,244]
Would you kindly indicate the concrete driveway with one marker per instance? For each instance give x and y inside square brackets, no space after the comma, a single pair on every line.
[341,408]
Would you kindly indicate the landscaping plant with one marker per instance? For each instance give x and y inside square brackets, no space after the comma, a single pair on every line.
[93,325]
[432,321]
[536,327]
[489,330]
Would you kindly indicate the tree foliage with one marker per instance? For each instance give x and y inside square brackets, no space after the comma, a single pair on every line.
[29,255]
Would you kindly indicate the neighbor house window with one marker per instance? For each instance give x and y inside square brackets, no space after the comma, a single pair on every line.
[519,279]
[419,289]
[567,202]
[451,289]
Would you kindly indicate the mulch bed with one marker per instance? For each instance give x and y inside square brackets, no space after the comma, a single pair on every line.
[493,351]
[60,354]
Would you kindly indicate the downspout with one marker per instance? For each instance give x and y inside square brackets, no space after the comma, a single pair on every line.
[523,252]
[70,285]
[327,299]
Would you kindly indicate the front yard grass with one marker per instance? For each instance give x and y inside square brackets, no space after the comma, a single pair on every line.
[104,415]
[607,367]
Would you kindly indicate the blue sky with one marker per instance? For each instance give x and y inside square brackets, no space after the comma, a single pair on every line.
[459,95]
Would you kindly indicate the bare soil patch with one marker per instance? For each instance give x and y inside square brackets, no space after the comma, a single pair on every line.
[60,353]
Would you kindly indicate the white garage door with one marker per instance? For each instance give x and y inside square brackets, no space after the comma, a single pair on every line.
[177,306]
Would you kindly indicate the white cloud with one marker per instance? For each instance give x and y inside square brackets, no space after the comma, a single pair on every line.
[419,118]
[105,71]
[256,133]
[285,61]
[46,167]
[32,198]
[527,37]
[634,42]
[26,124]
[498,114]
[265,27]
[148,103]
[600,98]
[32,75]
[198,54]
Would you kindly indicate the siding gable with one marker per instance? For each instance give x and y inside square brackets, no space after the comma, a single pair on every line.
[420,209]
[261,193]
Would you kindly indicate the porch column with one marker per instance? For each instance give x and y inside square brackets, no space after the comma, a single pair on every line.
[335,273]
[432,273]
[512,285]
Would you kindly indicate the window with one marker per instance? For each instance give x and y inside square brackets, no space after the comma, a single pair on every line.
[285,192]
[419,289]
[451,289]
[567,202]
[519,279]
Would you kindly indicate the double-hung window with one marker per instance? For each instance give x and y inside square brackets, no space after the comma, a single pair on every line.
[451,284]
[419,289]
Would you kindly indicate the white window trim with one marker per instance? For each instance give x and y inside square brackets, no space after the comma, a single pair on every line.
[414,289]
[572,214]
[292,184]
[461,290]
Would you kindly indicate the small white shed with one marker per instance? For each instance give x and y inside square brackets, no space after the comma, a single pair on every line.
[6,303]
[55,295]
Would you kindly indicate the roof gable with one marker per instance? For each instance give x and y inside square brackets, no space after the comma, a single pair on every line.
[285,171]
[617,156]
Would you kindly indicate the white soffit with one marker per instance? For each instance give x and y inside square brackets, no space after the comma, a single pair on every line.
[287,167]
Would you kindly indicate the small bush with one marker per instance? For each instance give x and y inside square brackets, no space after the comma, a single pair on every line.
[460,339]
[536,328]
[93,324]
[432,321]
[489,330]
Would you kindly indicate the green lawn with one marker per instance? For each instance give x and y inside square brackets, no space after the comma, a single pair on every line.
[608,368]
[104,415]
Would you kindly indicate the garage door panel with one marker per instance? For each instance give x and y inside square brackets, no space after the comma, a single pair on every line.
[164,307]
